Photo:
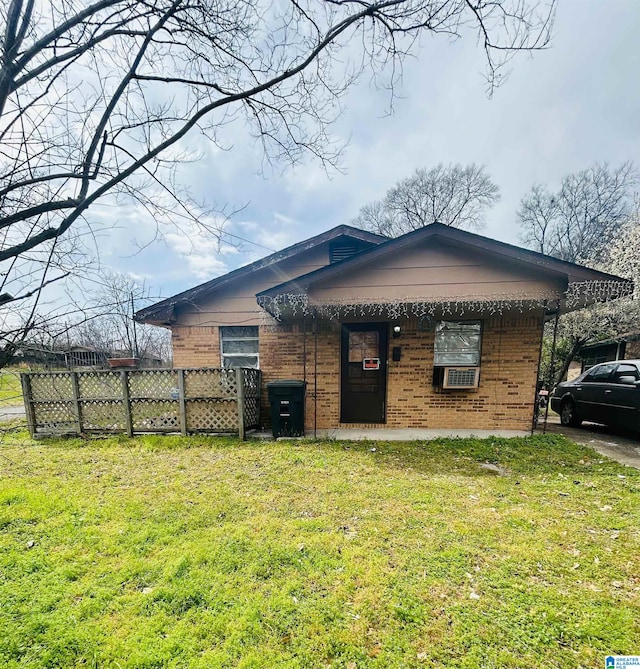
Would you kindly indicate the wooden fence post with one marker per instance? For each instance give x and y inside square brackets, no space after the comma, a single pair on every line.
[126,401]
[240,398]
[183,403]
[75,389]
[25,380]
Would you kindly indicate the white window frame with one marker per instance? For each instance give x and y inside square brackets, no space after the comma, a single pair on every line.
[225,331]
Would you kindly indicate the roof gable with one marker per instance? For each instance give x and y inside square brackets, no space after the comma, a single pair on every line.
[163,310]
[531,260]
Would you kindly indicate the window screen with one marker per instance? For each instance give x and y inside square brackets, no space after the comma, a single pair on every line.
[457,343]
[239,346]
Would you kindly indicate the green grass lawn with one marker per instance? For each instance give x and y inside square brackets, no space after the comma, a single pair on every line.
[10,388]
[197,552]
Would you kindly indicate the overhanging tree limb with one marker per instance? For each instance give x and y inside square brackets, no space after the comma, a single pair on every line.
[94,97]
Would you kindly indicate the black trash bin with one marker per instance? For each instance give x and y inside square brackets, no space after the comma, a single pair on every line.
[287,407]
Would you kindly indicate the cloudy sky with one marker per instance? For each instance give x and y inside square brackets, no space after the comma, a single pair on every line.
[560,110]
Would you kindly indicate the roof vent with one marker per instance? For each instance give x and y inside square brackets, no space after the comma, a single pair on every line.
[338,252]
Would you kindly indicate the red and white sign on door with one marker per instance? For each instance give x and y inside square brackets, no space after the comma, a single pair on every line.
[371,363]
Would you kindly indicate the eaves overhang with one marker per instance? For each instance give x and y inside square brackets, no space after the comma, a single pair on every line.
[582,285]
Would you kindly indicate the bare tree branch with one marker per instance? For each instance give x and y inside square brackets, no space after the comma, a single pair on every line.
[591,219]
[579,221]
[452,195]
[98,100]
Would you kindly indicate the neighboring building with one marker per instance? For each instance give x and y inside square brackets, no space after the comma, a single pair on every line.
[69,358]
[623,347]
[83,357]
[575,369]
[439,328]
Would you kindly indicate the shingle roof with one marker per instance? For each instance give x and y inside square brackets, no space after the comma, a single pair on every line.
[163,310]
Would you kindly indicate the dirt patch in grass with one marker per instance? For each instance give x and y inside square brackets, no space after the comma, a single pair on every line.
[196,552]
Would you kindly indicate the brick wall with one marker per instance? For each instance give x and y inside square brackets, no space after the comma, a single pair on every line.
[195,346]
[632,350]
[504,399]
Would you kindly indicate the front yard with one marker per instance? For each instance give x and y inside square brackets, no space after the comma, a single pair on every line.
[198,552]
[10,388]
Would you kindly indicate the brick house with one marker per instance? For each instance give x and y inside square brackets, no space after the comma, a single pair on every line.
[439,328]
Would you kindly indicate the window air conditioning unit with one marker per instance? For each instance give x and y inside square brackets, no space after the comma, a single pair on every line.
[461,377]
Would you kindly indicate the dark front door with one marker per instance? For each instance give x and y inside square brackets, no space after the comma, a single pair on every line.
[363,372]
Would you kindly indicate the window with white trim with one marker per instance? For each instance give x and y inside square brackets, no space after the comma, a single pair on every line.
[239,346]
[457,344]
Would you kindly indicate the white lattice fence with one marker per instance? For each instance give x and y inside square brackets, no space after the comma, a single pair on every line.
[100,401]
[51,400]
[202,384]
[214,415]
[212,400]
[134,401]
[154,400]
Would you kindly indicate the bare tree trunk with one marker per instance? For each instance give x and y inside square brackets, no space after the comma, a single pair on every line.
[577,345]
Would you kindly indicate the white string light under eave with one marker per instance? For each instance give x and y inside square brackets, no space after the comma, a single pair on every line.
[297,305]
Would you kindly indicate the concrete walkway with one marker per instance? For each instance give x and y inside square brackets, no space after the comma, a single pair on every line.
[623,447]
[382,434]
[390,434]
[11,413]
